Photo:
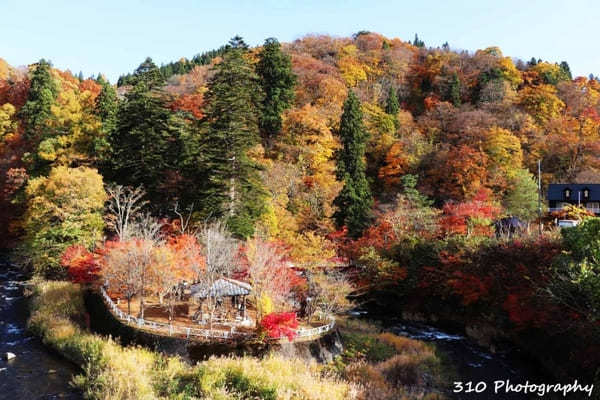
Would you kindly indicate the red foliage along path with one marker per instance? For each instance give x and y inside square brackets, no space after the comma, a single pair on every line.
[277,325]
[81,264]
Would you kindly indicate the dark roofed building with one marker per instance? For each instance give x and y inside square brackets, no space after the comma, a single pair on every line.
[583,194]
[223,287]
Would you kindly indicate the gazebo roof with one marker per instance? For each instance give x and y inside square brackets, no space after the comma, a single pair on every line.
[223,287]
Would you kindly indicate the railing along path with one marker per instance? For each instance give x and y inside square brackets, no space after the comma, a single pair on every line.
[196,332]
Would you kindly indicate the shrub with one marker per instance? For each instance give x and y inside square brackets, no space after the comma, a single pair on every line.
[360,346]
[402,369]
[277,325]
[81,264]
[372,383]
[406,345]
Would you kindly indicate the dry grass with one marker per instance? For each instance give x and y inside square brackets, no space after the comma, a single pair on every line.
[388,367]
[113,372]
[407,346]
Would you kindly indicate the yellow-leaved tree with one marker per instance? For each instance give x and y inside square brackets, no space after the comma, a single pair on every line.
[64,208]
[75,127]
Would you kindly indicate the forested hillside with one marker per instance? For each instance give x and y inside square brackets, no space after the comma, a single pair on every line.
[383,154]
[464,123]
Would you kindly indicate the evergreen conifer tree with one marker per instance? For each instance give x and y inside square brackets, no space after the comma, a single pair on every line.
[564,66]
[354,202]
[37,112]
[149,74]
[42,94]
[237,42]
[233,188]
[278,81]
[392,106]
[145,144]
[454,90]
[106,108]
[418,42]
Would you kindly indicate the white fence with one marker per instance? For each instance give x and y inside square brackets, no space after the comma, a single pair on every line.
[194,332]
[320,330]
[167,328]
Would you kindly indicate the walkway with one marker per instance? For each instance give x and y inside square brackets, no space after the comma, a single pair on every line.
[188,332]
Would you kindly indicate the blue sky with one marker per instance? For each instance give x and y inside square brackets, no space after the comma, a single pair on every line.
[113,37]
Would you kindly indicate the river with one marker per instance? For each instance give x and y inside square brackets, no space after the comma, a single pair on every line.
[472,363]
[35,373]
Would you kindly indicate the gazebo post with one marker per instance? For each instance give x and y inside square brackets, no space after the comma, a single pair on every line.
[243,307]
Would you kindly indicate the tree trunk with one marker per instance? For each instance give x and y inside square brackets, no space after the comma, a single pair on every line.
[232,188]
[210,313]
[141,313]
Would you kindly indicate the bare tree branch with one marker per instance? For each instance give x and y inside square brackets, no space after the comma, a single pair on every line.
[123,207]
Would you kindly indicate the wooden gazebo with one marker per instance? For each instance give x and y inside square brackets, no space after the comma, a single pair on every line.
[220,290]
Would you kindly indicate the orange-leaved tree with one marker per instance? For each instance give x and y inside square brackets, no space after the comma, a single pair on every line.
[469,217]
[81,264]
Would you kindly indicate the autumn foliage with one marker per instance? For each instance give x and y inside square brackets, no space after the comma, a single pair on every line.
[278,325]
[470,217]
[82,265]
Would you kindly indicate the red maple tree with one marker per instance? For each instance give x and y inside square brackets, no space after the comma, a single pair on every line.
[82,265]
[278,325]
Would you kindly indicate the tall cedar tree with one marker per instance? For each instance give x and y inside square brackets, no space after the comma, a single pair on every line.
[145,144]
[454,90]
[106,108]
[278,82]
[355,200]
[36,112]
[233,189]
[392,106]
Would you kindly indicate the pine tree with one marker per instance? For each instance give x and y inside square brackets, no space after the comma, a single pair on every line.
[237,42]
[355,200]
[392,106]
[418,42]
[37,112]
[521,199]
[564,66]
[149,74]
[145,144]
[278,82]
[454,90]
[106,108]
[233,189]
[42,94]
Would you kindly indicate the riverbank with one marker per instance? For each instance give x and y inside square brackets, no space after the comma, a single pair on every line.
[35,373]
[388,364]
[112,371]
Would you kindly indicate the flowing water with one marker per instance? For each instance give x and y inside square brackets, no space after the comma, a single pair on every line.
[475,364]
[35,373]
